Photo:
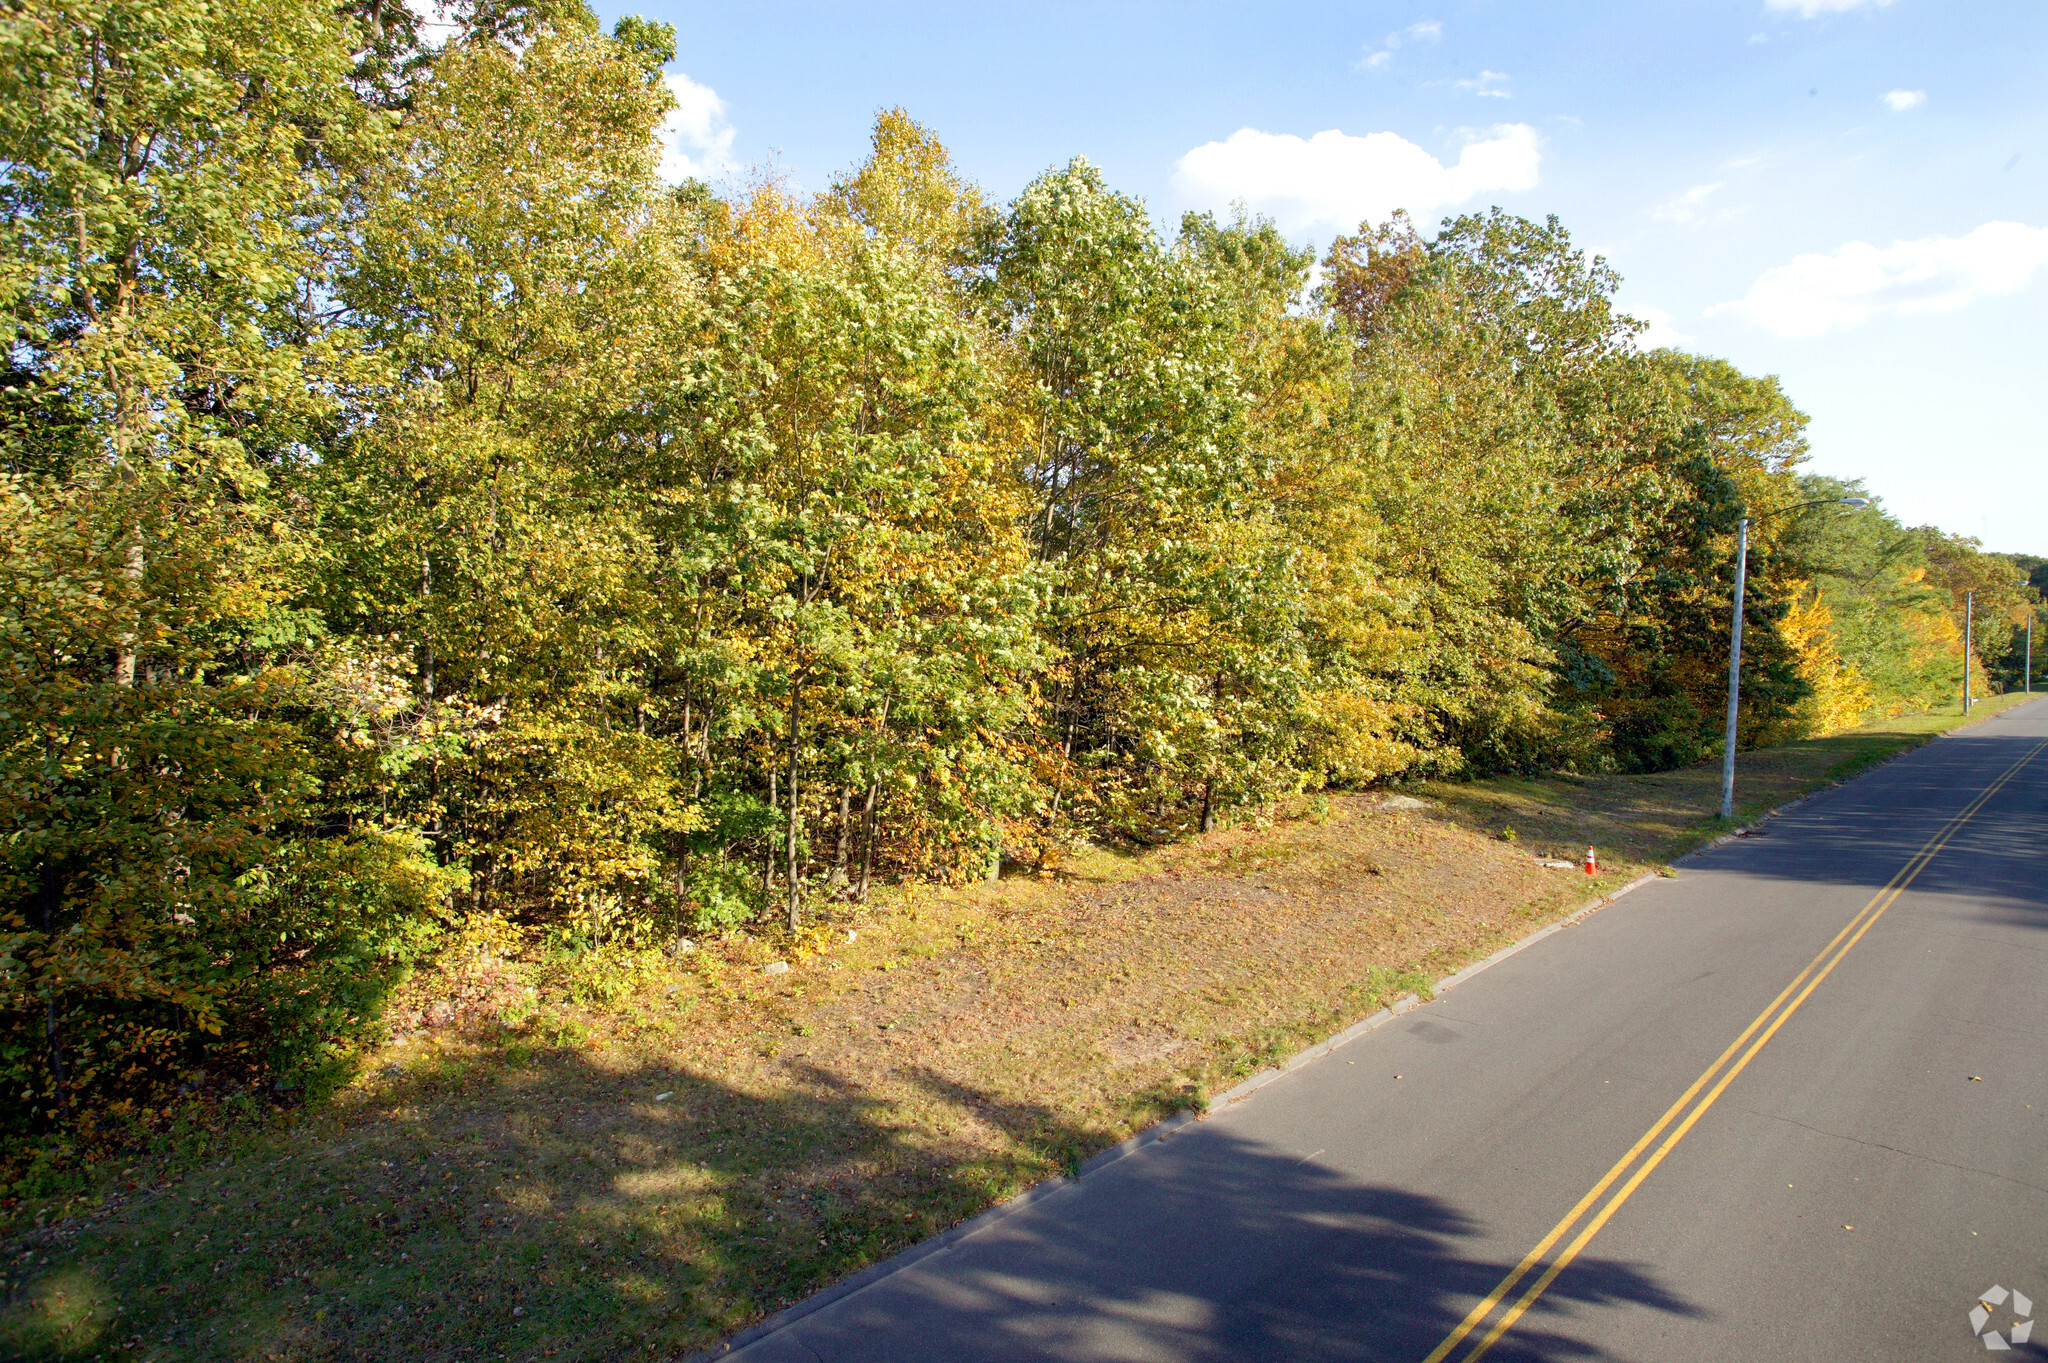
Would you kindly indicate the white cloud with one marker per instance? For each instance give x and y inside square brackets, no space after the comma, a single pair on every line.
[1898,101]
[696,140]
[1336,180]
[1858,281]
[1381,57]
[1813,9]
[1490,84]
[1661,330]
[1687,206]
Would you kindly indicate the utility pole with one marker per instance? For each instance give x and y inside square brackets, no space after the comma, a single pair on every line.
[1734,672]
[1735,637]
[2033,609]
[1969,620]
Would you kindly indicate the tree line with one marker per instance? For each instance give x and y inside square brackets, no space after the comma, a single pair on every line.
[418,515]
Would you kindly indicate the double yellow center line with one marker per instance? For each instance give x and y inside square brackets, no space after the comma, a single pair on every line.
[1681,1115]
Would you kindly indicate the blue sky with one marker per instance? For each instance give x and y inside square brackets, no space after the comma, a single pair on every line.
[1851,194]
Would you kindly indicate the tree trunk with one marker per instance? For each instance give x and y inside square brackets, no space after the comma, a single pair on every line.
[128,419]
[682,877]
[795,885]
[1059,789]
[845,836]
[867,842]
[52,895]
[867,813]
[426,662]
[703,751]
[768,851]
[683,839]
[124,656]
[1209,785]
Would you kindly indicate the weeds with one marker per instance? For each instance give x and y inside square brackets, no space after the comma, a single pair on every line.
[515,1186]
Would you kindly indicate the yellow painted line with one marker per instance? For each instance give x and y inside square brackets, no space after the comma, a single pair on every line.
[1823,963]
[1493,1299]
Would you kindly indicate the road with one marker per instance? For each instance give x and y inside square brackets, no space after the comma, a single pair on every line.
[1791,1104]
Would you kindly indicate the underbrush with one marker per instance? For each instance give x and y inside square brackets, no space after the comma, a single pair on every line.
[580,1144]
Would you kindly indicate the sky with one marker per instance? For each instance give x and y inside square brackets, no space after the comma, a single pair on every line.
[1849,194]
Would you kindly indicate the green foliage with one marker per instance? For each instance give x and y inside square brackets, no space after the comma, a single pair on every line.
[1898,600]
[653,44]
[416,513]
[331,926]
[173,171]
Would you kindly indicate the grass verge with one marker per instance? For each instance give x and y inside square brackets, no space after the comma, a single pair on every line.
[640,1169]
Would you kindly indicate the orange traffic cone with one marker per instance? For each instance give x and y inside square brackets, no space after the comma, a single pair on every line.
[1592,863]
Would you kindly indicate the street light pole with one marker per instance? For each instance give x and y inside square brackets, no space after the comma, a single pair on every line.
[1734,671]
[1969,620]
[2027,672]
[1735,639]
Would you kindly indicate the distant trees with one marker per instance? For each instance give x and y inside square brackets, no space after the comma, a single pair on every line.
[418,515]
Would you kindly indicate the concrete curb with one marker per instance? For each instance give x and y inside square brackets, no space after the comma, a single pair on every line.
[1760,820]
[1158,1131]
[1818,791]
[924,1249]
[1746,829]
[1408,1001]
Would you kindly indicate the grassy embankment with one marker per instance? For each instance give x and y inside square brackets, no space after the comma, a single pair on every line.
[568,1177]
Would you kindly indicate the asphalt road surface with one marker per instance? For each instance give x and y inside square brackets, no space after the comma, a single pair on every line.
[1792,1104]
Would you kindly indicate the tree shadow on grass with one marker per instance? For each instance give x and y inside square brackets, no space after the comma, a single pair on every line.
[562,1212]
[1205,1246]
[563,1209]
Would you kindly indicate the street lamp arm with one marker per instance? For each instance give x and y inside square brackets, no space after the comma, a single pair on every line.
[1853,503]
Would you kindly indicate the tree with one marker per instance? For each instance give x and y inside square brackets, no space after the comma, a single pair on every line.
[173,172]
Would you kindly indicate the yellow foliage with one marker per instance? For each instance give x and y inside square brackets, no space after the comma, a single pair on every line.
[1357,740]
[1841,696]
[1934,635]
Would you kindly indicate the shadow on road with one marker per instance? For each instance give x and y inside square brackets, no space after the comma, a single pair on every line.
[1863,833]
[1207,1247]
[563,1215]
